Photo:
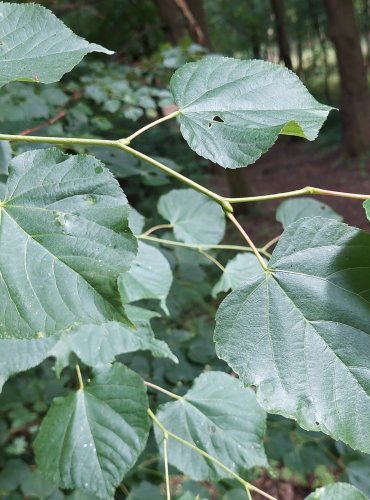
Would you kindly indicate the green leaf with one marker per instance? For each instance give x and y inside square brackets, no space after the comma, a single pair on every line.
[367,208]
[220,417]
[239,269]
[150,277]
[232,111]
[5,157]
[357,471]
[99,345]
[195,218]
[136,221]
[91,438]
[37,46]
[297,208]
[337,491]
[301,334]
[20,355]
[64,241]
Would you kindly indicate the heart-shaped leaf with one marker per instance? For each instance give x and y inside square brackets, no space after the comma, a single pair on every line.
[301,333]
[91,438]
[194,217]
[64,241]
[297,208]
[220,417]
[232,111]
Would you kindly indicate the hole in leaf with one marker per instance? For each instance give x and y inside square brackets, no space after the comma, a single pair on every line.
[218,119]
[209,124]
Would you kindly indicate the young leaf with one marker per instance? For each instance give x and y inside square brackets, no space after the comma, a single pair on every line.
[232,111]
[195,218]
[91,438]
[241,268]
[301,334]
[98,345]
[297,208]
[150,277]
[64,241]
[337,491]
[37,46]
[220,417]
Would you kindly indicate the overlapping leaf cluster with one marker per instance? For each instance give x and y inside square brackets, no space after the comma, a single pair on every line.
[80,279]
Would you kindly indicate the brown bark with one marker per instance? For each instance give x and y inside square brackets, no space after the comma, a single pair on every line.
[366,14]
[172,20]
[194,14]
[282,35]
[322,40]
[355,95]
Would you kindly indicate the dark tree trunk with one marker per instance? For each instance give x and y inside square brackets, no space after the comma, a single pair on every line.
[197,21]
[322,40]
[355,95]
[172,20]
[366,14]
[282,35]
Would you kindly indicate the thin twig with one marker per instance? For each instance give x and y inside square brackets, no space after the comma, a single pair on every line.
[271,242]
[248,240]
[165,459]
[156,228]
[44,124]
[206,455]
[200,247]
[157,388]
[308,190]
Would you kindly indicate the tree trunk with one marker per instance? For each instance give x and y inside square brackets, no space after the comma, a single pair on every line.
[366,14]
[194,14]
[282,35]
[172,20]
[322,40]
[355,95]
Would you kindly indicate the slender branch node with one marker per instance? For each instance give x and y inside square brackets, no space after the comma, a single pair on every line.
[226,205]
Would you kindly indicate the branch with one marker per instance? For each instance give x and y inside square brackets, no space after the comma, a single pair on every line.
[202,247]
[249,241]
[308,190]
[44,124]
[168,434]
[194,25]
